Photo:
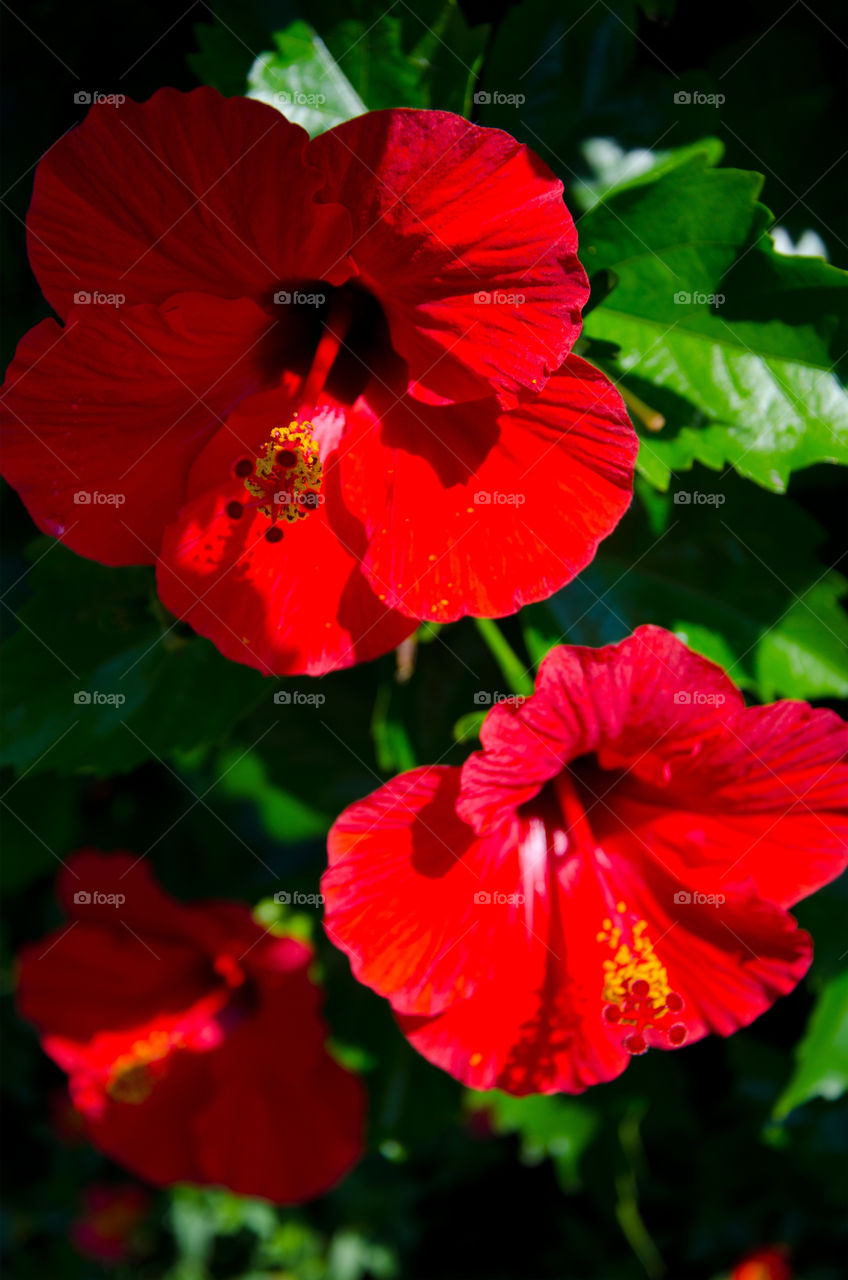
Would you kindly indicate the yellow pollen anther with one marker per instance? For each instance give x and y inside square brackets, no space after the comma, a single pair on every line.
[636,992]
[288,473]
[131,1079]
[632,965]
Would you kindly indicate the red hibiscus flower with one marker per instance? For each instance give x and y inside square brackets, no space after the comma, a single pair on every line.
[610,873]
[325,386]
[107,1229]
[191,1037]
[764,1264]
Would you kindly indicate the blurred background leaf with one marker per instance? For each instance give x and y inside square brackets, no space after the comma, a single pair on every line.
[90,636]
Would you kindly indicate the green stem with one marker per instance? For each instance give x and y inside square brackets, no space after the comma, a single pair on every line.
[650,418]
[512,668]
[627,1207]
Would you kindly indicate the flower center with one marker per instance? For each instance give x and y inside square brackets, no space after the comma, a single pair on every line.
[636,988]
[285,480]
[132,1078]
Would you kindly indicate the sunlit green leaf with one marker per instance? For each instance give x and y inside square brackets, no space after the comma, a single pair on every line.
[302,79]
[735,345]
[821,1069]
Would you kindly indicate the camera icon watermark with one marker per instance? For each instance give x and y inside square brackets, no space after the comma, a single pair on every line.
[499,298]
[683,898]
[84,498]
[285,899]
[286,698]
[87,698]
[83,298]
[296,298]
[494,498]
[485,899]
[698,698]
[84,99]
[482,698]
[84,898]
[298,99]
[696,497]
[683,98]
[289,498]
[483,98]
[688,298]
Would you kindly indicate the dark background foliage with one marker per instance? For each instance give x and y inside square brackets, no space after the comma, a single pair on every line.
[691,1158]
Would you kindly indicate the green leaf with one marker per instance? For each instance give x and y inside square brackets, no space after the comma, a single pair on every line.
[424,56]
[301,78]
[355,62]
[285,816]
[512,668]
[199,1214]
[228,46]
[95,679]
[614,169]
[806,653]
[392,746]
[454,56]
[709,573]
[353,1257]
[467,727]
[554,1128]
[372,56]
[821,1069]
[747,378]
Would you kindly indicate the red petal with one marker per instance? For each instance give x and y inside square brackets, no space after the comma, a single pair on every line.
[116,406]
[402,890]
[468,931]
[529,1030]
[284,1120]
[479,512]
[251,1100]
[300,605]
[128,953]
[443,211]
[727,963]
[185,192]
[765,801]
[633,862]
[268,1113]
[630,702]
[728,954]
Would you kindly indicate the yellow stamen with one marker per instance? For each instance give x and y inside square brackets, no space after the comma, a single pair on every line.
[288,473]
[131,1079]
